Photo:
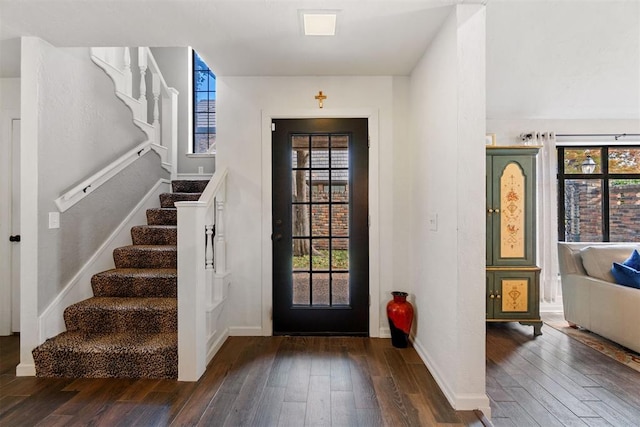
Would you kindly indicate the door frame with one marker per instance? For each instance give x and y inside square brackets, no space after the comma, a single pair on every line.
[374,211]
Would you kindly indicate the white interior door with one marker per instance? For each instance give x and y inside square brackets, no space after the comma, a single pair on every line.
[15,225]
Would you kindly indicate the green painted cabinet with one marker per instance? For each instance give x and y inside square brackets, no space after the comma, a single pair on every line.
[513,279]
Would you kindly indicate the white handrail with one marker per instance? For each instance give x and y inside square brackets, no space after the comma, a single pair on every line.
[203,279]
[90,184]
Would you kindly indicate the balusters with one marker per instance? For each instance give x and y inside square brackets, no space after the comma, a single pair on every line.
[220,242]
[208,253]
[155,87]
[142,64]
[128,77]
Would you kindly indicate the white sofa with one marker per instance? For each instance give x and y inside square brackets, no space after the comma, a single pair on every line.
[593,300]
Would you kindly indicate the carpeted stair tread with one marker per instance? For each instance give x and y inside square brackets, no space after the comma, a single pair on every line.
[189,186]
[114,314]
[146,256]
[136,282]
[77,354]
[167,200]
[154,235]
[162,216]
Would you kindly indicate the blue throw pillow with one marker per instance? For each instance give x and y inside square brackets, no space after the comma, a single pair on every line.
[633,261]
[625,275]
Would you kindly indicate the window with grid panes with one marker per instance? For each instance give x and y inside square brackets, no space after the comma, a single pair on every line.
[204,107]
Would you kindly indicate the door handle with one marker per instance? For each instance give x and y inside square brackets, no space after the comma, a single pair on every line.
[15,238]
[276,237]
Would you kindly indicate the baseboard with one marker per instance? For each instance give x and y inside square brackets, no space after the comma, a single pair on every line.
[26,370]
[245,331]
[460,402]
[194,176]
[51,321]
[217,344]
[384,332]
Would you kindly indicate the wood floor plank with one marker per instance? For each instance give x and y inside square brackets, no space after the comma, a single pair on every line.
[297,386]
[518,415]
[629,411]
[37,407]
[625,388]
[611,415]
[400,372]
[319,401]
[268,410]
[343,408]
[55,421]
[292,414]
[340,371]
[217,411]
[534,408]
[392,405]
[363,391]
[438,403]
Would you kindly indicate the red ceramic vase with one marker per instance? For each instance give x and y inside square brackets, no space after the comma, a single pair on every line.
[400,315]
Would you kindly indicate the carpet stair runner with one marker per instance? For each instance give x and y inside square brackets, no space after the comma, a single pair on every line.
[129,328]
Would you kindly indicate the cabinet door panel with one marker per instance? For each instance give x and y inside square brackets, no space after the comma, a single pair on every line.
[513,204]
[515,295]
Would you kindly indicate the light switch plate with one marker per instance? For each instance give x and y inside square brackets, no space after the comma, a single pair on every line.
[54,219]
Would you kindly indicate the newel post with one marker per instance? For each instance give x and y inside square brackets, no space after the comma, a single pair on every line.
[192,327]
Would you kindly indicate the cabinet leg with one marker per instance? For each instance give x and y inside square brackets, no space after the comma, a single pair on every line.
[537,327]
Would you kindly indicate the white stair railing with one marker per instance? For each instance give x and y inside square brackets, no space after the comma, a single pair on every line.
[203,279]
[161,124]
[161,128]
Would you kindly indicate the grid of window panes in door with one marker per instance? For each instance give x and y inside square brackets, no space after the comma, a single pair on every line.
[320,219]
[204,107]
[602,206]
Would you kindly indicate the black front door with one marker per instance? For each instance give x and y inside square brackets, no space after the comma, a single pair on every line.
[320,227]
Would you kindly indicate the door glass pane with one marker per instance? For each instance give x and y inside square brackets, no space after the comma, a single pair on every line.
[575,158]
[300,221]
[300,186]
[340,288]
[320,186]
[624,210]
[301,254]
[320,220]
[320,151]
[301,294]
[320,254]
[583,210]
[339,254]
[340,151]
[624,160]
[320,289]
[340,220]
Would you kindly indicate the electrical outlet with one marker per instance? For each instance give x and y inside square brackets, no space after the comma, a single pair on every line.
[200,170]
[54,220]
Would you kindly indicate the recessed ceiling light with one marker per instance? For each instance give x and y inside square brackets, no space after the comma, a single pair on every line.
[319,24]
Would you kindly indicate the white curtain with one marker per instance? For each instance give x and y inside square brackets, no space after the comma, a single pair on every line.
[550,291]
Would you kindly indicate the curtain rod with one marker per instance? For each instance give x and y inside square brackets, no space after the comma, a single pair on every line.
[614,135]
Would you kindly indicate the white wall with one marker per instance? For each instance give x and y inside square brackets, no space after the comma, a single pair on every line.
[175,63]
[563,59]
[448,188]
[9,110]
[242,102]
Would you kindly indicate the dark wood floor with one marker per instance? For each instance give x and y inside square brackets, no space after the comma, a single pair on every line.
[252,381]
[554,380]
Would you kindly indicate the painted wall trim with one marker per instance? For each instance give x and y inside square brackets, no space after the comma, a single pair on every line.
[374,209]
[460,402]
[189,176]
[51,321]
[246,331]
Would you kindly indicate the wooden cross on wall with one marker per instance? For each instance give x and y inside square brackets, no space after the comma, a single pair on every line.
[320,97]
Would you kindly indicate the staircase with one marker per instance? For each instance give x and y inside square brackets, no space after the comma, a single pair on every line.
[129,328]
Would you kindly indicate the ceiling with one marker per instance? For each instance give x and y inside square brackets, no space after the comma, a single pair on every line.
[240,37]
